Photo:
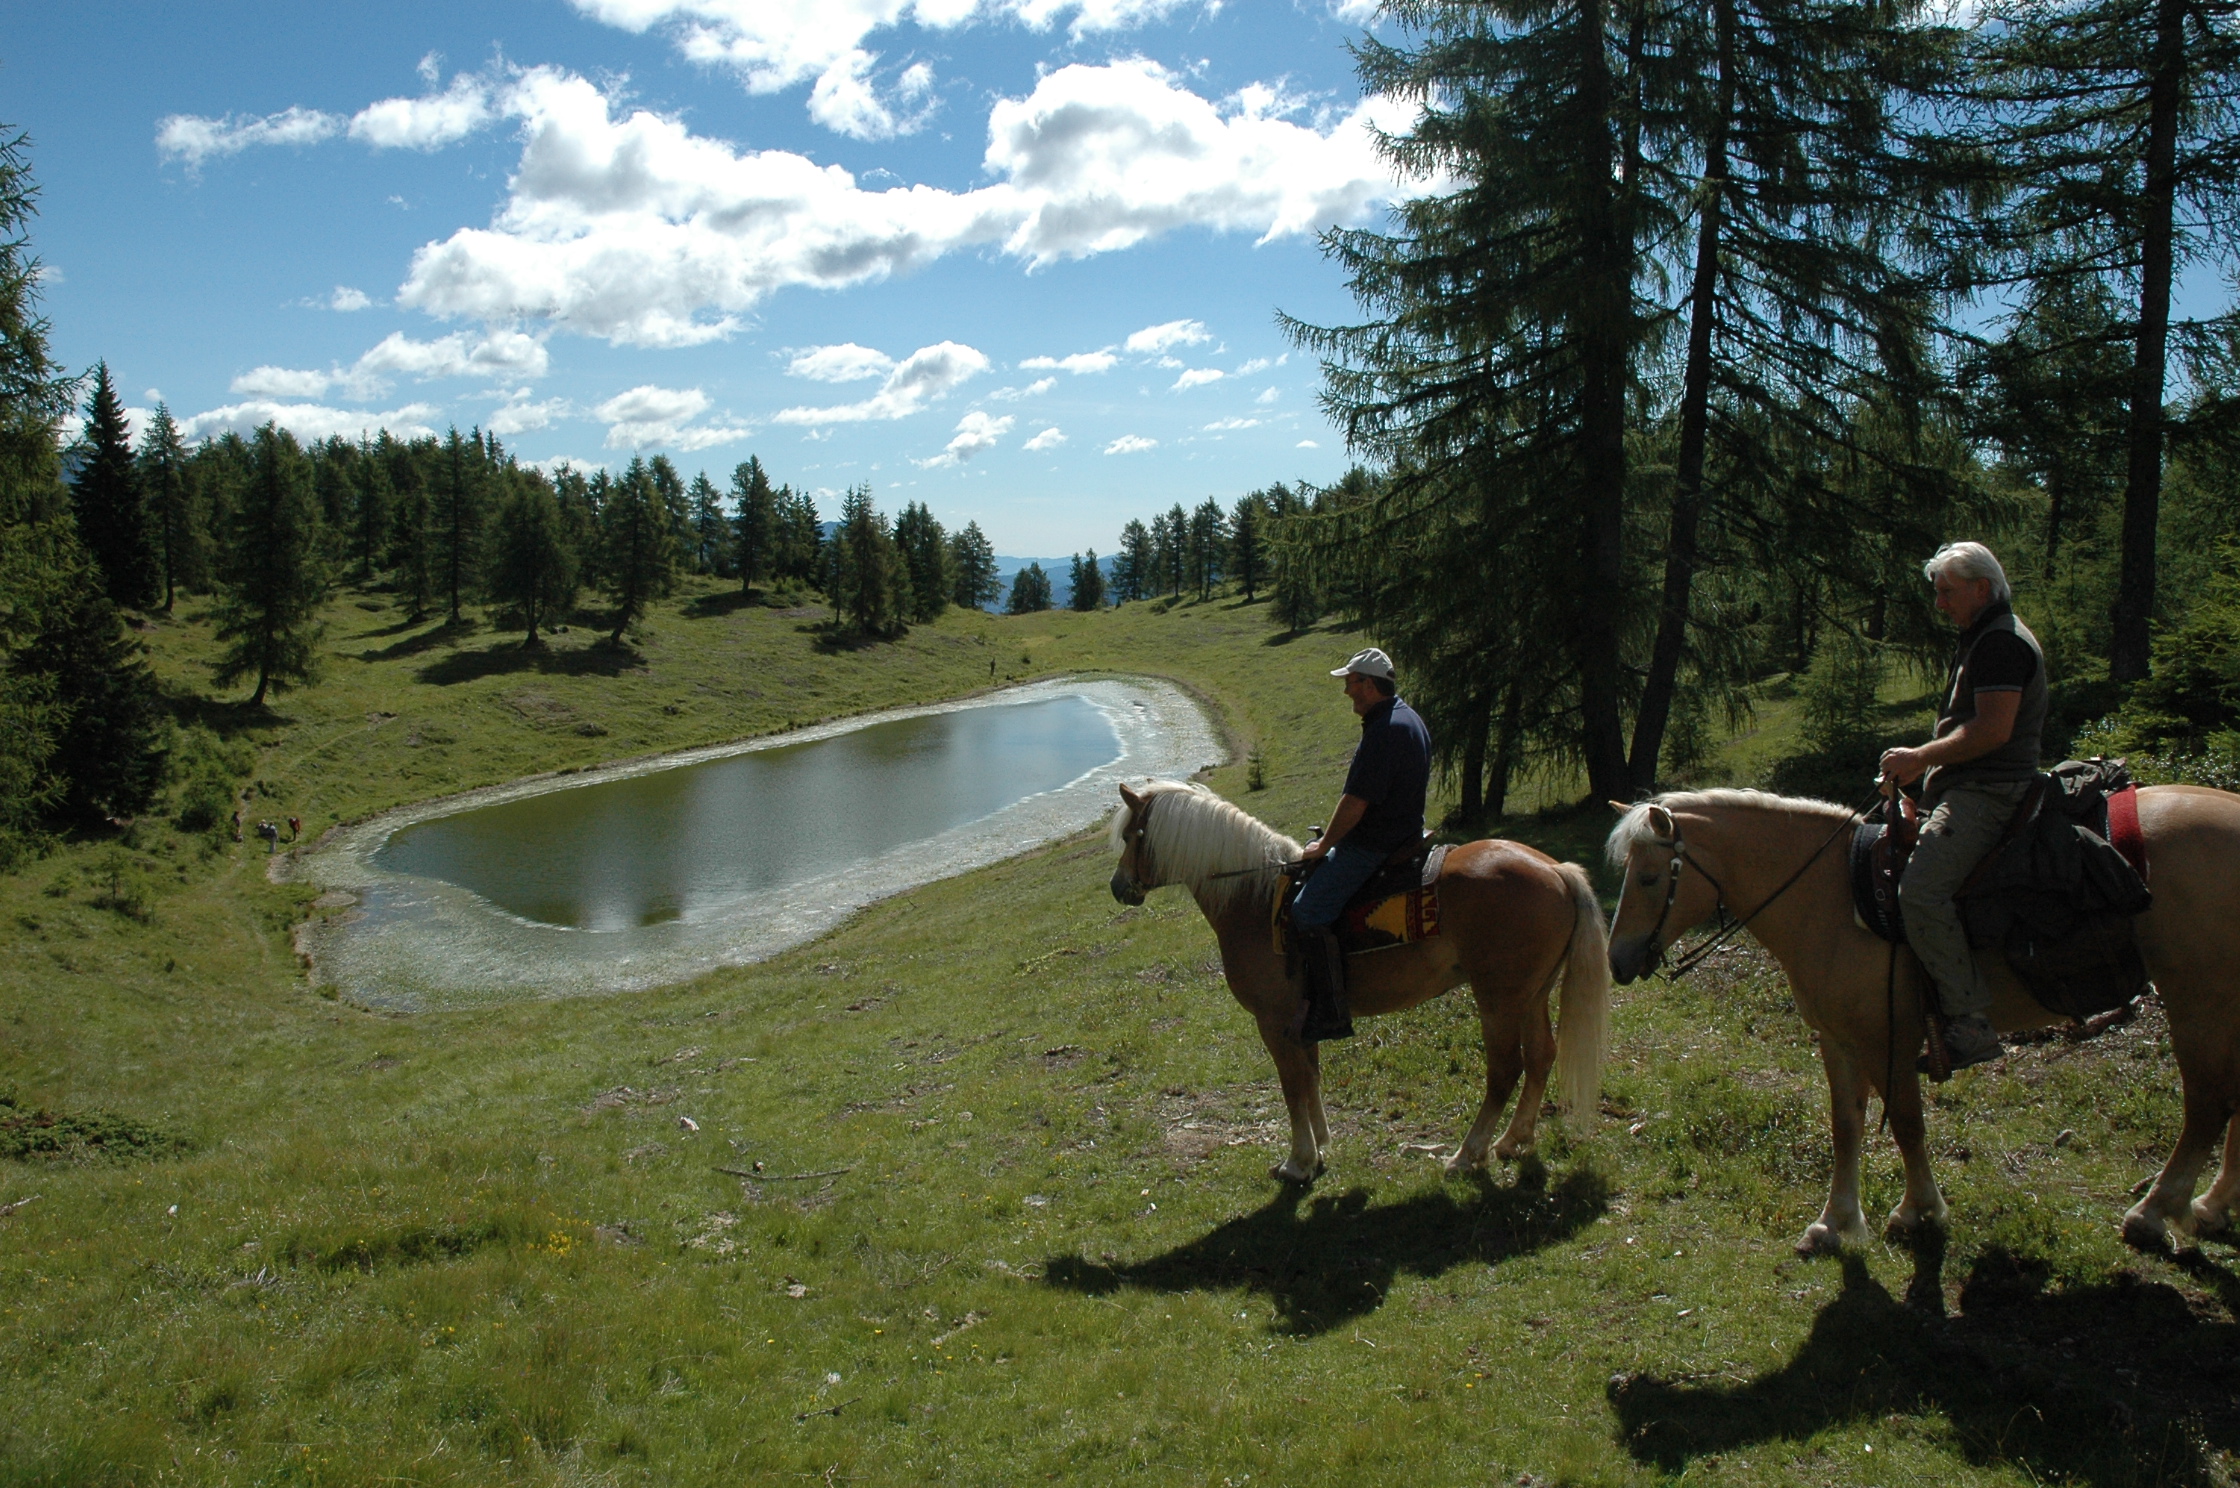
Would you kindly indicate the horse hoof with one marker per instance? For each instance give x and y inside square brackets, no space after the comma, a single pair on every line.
[2208,1221]
[2142,1231]
[1509,1151]
[1290,1172]
[1462,1164]
[1823,1239]
[1905,1225]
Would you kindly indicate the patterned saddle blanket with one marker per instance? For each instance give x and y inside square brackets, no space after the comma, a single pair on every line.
[1397,906]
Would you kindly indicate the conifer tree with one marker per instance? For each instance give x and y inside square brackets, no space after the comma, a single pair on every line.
[369,523]
[1135,565]
[639,551]
[711,550]
[973,560]
[112,518]
[1209,546]
[1030,591]
[926,557]
[457,498]
[869,584]
[162,462]
[1088,583]
[1174,550]
[754,520]
[798,551]
[535,568]
[272,575]
[1246,560]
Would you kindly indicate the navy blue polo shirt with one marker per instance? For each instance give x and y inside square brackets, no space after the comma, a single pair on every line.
[1391,771]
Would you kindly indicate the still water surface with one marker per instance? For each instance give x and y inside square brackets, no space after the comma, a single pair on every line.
[676,843]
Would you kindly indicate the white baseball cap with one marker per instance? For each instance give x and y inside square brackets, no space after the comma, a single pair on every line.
[1369,663]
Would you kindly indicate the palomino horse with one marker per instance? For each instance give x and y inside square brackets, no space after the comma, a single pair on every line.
[1685,853]
[1511,919]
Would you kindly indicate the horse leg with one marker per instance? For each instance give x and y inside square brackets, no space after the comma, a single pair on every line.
[1539,1058]
[1504,1062]
[1923,1204]
[2207,1113]
[1842,1222]
[1315,1118]
[2213,1210]
[1302,1097]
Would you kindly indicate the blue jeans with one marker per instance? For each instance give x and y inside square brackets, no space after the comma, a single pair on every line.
[1346,868]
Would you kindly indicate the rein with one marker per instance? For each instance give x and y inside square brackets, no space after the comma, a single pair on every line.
[1701,953]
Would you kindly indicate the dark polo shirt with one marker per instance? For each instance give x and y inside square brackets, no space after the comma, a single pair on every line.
[1391,771]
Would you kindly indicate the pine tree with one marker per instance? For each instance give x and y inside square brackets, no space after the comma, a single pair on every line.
[2109,124]
[1174,550]
[869,584]
[535,568]
[711,551]
[754,520]
[112,518]
[271,574]
[457,500]
[1030,591]
[369,523]
[639,551]
[973,560]
[1246,560]
[1135,568]
[1088,583]
[162,462]
[110,746]
[925,554]
[799,550]
[1209,547]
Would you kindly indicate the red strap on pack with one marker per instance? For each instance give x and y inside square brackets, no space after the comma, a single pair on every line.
[2123,829]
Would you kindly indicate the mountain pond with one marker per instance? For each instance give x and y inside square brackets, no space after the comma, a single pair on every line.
[651,872]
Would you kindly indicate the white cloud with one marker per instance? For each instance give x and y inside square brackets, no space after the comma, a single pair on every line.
[846,362]
[927,375]
[308,421]
[1152,340]
[1034,389]
[1262,364]
[636,230]
[846,101]
[1079,363]
[1355,12]
[1130,444]
[1267,396]
[429,122]
[519,414]
[647,415]
[347,299]
[194,139]
[282,382]
[1227,425]
[976,433]
[504,356]
[1197,377]
[1306,444]
[1049,438]
[552,465]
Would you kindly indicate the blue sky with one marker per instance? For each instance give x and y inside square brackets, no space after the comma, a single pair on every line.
[1019,259]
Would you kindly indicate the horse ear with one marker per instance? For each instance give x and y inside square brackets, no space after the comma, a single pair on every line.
[1661,821]
[1130,797]
[1620,807]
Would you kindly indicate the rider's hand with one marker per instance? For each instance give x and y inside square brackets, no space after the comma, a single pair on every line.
[1902,766]
[1314,850]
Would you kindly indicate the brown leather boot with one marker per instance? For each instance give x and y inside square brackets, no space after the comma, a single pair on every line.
[1324,961]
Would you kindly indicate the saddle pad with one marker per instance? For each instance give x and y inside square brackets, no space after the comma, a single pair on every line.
[1397,920]
[2124,834]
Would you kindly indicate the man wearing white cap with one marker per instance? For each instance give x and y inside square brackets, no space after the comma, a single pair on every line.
[1380,812]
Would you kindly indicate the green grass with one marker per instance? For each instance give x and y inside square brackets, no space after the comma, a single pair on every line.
[1038,1241]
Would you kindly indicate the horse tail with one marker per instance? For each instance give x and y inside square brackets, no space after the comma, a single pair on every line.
[1583,1034]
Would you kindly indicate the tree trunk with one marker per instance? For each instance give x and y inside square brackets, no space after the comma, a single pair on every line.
[1505,752]
[1695,419]
[2129,653]
[1605,344]
[1474,763]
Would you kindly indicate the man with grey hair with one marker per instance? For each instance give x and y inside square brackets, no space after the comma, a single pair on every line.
[1974,772]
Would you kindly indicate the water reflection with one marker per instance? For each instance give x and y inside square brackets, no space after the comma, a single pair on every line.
[674,844]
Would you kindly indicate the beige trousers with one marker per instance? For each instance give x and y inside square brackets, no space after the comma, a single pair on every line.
[1964,828]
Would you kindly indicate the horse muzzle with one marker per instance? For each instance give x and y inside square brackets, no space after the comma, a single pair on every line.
[1126,889]
[1634,957]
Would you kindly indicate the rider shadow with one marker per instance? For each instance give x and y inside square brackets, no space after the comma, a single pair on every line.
[1332,1259]
[2113,1383]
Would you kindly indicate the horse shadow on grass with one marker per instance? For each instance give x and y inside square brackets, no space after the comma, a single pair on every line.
[2116,1383]
[599,659]
[1331,1259]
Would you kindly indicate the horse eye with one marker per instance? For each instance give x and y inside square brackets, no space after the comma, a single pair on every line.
[1650,880]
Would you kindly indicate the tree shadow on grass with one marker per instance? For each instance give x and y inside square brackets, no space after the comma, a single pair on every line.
[721,602]
[2121,1382]
[599,659]
[450,632]
[1331,1260]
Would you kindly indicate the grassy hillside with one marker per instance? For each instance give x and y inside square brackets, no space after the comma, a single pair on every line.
[1004,1214]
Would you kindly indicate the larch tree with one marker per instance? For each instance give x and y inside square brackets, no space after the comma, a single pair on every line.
[1088,583]
[972,559]
[534,567]
[112,518]
[1247,561]
[638,547]
[457,498]
[169,494]
[1135,566]
[754,519]
[926,557]
[711,546]
[272,575]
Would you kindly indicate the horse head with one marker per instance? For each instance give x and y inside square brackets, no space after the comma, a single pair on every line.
[1658,901]
[1131,879]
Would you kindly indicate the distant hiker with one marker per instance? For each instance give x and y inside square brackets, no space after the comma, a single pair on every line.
[1380,810]
[237,826]
[991,669]
[1974,772]
[295,827]
[270,834]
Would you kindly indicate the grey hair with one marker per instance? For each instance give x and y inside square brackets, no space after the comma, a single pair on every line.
[1970,560]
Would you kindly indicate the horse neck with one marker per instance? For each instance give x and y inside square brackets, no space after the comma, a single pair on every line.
[1755,850]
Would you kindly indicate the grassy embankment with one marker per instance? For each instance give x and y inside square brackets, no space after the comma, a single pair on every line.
[479,1247]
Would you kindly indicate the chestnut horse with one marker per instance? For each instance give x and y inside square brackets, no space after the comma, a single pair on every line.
[1511,921]
[1682,852]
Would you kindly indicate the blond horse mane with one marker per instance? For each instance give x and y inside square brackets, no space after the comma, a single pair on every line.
[1210,847]
[1633,829]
